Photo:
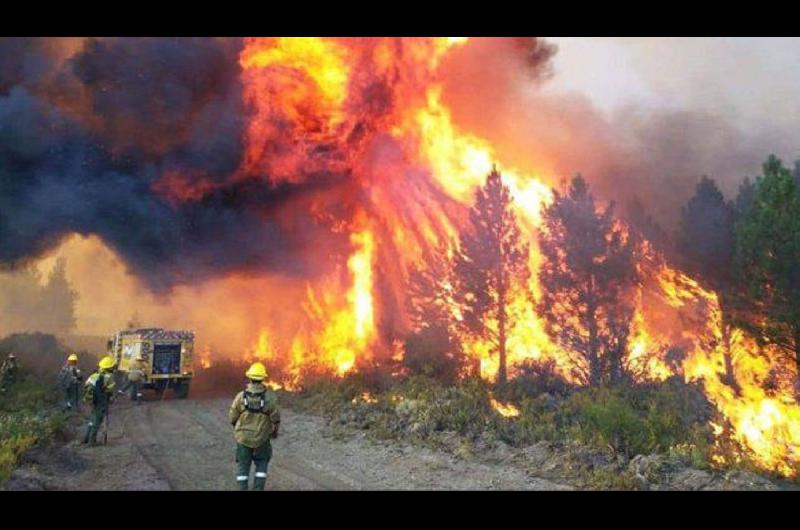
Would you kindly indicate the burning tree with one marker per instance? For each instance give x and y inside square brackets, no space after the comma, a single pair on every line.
[587,277]
[768,258]
[490,267]
[706,243]
[433,348]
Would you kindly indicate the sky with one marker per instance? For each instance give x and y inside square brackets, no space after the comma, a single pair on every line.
[754,82]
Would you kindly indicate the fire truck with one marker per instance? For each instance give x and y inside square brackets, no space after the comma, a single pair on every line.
[167,357]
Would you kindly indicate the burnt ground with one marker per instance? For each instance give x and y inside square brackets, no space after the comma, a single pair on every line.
[188,445]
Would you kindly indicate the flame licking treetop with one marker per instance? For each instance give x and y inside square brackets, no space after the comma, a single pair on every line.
[337,167]
[373,108]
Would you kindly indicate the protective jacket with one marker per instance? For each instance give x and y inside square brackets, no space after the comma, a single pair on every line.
[108,388]
[254,415]
[69,376]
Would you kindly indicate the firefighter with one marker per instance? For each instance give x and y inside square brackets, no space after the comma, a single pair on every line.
[99,391]
[135,378]
[255,418]
[8,372]
[70,379]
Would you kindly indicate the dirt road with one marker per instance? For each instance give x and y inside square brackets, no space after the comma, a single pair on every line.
[187,445]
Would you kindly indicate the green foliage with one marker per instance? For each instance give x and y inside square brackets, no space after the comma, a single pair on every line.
[538,421]
[27,418]
[767,257]
[602,418]
[638,419]
[610,478]
[665,418]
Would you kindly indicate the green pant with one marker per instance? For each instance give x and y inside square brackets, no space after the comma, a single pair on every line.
[245,456]
[72,397]
[95,421]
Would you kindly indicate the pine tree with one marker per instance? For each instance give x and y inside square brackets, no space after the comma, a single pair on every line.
[432,348]
[706,243]
[586,276]
[491,266]
[767,258]
[705,237]
[57,305]
[643,223]
[744,199]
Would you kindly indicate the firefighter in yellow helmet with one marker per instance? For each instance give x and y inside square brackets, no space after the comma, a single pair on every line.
[255,418]
[70,379]
[135,378]
[99,391]
[8,371]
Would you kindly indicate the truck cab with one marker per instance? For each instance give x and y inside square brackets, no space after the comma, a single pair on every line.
[166,357]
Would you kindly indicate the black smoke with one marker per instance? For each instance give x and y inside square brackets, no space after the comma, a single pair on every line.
[84,138]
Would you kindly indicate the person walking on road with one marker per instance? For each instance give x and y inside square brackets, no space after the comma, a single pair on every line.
[255,418]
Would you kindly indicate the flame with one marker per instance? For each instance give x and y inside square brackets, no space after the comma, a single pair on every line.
[334,336]
[507,410]
[331,123]
[365,397]
[765,425]
[205,357]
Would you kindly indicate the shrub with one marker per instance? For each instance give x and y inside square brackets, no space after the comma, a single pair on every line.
[639,418]
[535,378]
[537,421]
[601,417]
[39,352]
[27,418]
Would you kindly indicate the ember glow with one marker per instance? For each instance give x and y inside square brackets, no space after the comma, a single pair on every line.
[362,127]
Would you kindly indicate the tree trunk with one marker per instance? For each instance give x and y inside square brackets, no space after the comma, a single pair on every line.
[592,355]
[501,325]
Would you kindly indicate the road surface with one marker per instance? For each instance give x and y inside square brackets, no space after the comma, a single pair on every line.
[188,445]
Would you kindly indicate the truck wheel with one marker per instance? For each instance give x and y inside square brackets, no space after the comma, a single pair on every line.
[182,390]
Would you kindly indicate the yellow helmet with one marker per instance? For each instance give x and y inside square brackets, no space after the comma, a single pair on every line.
[72,358]
[256,372]
[106,363]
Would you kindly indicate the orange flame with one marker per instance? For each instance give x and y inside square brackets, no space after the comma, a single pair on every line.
[507,410]
[313,83]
